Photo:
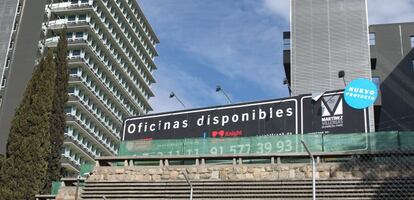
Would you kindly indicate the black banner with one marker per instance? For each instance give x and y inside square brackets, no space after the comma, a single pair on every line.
[331,114]
[294,115]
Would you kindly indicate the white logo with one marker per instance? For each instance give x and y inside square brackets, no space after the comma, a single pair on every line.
[331,106]
[332,111]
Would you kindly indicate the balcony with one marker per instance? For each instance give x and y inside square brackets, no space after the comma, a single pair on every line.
[112,56]
[98,15]
[73,119]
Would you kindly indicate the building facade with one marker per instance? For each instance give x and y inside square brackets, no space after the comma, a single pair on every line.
[111,60]
[392,58]
[328,36]
[8,25]
[111,51]
[392,69]
[20,31]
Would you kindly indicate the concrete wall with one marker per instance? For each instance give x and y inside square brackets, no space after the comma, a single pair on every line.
[243,172]
[22,64]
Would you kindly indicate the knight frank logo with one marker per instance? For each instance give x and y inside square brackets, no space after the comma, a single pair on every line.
[332,111]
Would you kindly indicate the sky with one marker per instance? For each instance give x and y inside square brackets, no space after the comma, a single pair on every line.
[236,44]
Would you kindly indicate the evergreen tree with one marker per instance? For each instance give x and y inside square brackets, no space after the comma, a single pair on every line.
[1,162]
[58,119]
[23,173]
[2,158]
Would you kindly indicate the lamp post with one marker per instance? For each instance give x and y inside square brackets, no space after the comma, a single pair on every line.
[185,173]
[172,95]
[313,170]
[341,74]
[218,89]
[77,186]
[286,82]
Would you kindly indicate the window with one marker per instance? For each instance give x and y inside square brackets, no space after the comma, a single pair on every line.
[412,65]
[74,1]
[84,1]
[76,53]
[71,90]
[79,34]
[82,17]
[69,35]
[286,44]
[71,18]
[11,44]
[3,83]
[15,25]
[371,39]
[7,62]
[19,8]
[377,81]
[412,41]
[68,109]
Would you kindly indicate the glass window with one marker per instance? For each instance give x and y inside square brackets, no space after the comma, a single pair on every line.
[19,8]
[76,52]
[7,62]
[84,1]
[371,39]
[3,83]
[377,81]
[412,65]
[79,34]
[74,1]
[73,71]
[68,109]
[69,35]
[71,90]
[82,17]
[412,41]
[71,18]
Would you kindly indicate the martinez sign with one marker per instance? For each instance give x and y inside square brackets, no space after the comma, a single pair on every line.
[287,116]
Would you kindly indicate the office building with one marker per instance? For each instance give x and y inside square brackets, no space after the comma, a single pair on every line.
[392,58]
[391,65]
[327,36]
[111,51]
[111,60]
[20,31]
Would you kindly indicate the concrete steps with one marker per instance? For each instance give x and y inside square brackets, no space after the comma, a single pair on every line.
[326,189]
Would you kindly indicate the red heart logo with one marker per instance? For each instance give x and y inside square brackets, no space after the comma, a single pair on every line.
[214,133]
[221,133]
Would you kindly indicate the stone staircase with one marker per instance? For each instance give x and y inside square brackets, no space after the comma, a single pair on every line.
[282,189]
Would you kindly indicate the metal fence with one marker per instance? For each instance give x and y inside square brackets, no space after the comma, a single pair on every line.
[385,175]
[365,165]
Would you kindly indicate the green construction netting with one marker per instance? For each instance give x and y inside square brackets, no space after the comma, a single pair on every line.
[55,187]
[377,141]
[85,168]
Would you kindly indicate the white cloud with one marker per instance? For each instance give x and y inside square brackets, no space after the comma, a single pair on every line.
[189,89]
[386,11]
[278,7]
[238,45]
[380,11]
[236,52]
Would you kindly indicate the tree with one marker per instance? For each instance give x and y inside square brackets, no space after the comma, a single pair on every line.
[1,162]
[2,158]
[25,167]
[58,119]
